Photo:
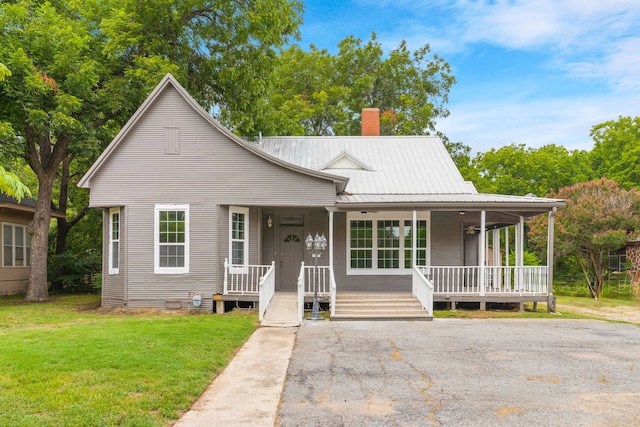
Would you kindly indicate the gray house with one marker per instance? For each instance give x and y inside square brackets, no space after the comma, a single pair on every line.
[192,209]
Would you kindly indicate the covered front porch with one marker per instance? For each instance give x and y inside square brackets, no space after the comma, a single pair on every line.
[477,241]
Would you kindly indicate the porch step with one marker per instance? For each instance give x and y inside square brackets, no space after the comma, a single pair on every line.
[282,311]
[379,306]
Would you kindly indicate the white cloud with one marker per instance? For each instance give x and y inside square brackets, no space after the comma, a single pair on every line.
[567,121]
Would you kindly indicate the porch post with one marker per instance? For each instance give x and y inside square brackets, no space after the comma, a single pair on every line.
[331,240]
[519,252]
[506,246]
[550,236]
[481,257]
[497,277]
[414,239]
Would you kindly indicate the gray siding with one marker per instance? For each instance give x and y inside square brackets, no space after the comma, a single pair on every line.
[210,168]
[446,249]
[209,174]
[344,282]
[446,241]
[113,294]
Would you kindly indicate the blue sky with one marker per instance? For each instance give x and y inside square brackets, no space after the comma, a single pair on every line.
[529,71]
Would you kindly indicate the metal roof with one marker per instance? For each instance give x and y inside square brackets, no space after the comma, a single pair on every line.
[391,164]
[396,171]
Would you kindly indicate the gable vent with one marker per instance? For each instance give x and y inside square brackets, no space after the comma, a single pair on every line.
[172,140]
[345,160]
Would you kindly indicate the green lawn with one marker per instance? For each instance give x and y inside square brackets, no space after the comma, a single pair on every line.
[66,363]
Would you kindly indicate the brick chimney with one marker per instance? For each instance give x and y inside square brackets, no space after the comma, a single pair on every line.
[370,122]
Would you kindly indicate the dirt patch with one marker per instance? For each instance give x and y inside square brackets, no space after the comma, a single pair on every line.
[628,314]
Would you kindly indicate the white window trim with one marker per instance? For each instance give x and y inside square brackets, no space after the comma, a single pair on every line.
[13,243]
[374,217]
[245,212]
[156,241]
[113,211]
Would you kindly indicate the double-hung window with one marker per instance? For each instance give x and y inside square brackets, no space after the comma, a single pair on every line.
[114,240]
[238,237]
[16,246]
[382,243]
[171,246]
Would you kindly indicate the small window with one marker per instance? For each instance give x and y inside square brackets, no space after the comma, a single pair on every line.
[171,239]
[114,240]
[292,238]
[16,246]
[238,237]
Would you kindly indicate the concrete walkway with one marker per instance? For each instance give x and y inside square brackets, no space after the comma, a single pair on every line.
[247,392]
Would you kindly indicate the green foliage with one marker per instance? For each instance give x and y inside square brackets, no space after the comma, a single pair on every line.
[519,170]
[79,70]
[317,93]
[73,273]
[67,363]
[600,217]
[616,153]
[11,185]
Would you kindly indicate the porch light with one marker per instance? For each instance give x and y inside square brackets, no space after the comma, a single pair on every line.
[315,246]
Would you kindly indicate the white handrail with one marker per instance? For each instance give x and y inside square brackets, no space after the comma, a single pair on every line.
[334,291]
[423,290]
[301,287]
[267,287]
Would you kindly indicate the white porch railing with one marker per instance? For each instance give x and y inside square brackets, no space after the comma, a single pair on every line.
[301,287]
[334,291]
[267,287]
[500,279]
[243,279]
[422,289]
[322,277]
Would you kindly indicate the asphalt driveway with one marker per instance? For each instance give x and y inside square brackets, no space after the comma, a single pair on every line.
[459,372]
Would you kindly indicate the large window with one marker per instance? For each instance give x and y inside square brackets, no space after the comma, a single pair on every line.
[238,236]
[114,240]
[171,239]
[421,243]
[383,242]
[16,246]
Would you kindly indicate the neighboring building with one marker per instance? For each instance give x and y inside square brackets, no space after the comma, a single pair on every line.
[190,207]
[16,244]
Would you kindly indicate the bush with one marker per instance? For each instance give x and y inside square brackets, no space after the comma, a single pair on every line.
[72,273]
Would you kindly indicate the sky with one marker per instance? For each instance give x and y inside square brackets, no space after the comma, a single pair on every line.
[528,71]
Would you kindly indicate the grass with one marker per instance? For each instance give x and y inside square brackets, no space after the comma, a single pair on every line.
[69,363]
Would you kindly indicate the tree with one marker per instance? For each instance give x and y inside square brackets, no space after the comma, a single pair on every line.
[80,69]
[519,170]
[600,217]
[11,185]
[317,93]
[616,153]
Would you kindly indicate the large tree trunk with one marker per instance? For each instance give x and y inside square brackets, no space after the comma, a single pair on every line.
[38,290]
[44,158]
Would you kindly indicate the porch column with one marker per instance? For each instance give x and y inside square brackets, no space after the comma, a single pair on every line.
[506,246]
[481,257]
[414,239]
[331,240]
[497,277]
[550,298]
[519,252]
